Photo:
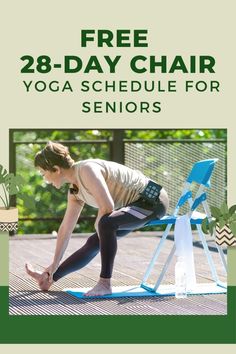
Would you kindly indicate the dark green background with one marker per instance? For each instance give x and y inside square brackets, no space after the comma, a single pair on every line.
[118,329]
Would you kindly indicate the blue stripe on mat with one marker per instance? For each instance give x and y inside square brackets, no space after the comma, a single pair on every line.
[136,291]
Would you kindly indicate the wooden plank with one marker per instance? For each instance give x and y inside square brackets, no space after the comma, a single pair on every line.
[132,258]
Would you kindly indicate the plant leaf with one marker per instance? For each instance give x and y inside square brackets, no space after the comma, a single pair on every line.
[205,225]
[226,217]
[19,180]
[233,217]
[211,227]
[232,226]
[3,174]
[221,223]
[13,183]
[224,208]
[214,222]
[232,209]
[215,212]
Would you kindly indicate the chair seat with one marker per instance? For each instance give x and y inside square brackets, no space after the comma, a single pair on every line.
[196,219]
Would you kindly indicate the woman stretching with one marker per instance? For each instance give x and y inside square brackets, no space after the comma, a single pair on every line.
[125,199]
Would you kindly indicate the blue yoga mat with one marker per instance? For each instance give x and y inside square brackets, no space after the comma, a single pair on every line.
[137,291]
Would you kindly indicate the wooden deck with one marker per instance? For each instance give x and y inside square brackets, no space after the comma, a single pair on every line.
[134,252]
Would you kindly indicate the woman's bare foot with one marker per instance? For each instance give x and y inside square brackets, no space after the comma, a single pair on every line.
[41,278]
[103,287]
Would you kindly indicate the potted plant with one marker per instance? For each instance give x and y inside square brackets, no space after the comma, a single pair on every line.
[11,186]
[223,222]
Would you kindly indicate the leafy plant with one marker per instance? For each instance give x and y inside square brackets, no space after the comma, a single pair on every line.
[12,185]
[222,216]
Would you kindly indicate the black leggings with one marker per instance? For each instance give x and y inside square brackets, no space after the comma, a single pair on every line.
[116,224]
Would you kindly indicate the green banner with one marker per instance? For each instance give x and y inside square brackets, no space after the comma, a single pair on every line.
[4,250]
[232,266]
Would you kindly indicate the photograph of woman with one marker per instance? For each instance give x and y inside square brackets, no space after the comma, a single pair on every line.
[125,198]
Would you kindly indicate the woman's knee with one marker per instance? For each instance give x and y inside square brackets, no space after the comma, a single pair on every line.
[105,224]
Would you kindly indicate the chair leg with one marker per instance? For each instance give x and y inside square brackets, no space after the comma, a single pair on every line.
[156,254]
[164,269]
[208,255]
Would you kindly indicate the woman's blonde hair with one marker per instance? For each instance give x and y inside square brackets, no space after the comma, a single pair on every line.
[53,154]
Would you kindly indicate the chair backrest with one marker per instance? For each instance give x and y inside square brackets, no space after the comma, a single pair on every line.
[201,174]
[202,171]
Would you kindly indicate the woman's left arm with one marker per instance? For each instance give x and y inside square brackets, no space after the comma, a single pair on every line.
[93,178]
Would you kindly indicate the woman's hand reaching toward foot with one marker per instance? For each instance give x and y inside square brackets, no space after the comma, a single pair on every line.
[51,270]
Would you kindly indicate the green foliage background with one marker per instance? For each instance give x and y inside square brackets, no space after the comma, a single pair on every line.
[50,202]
